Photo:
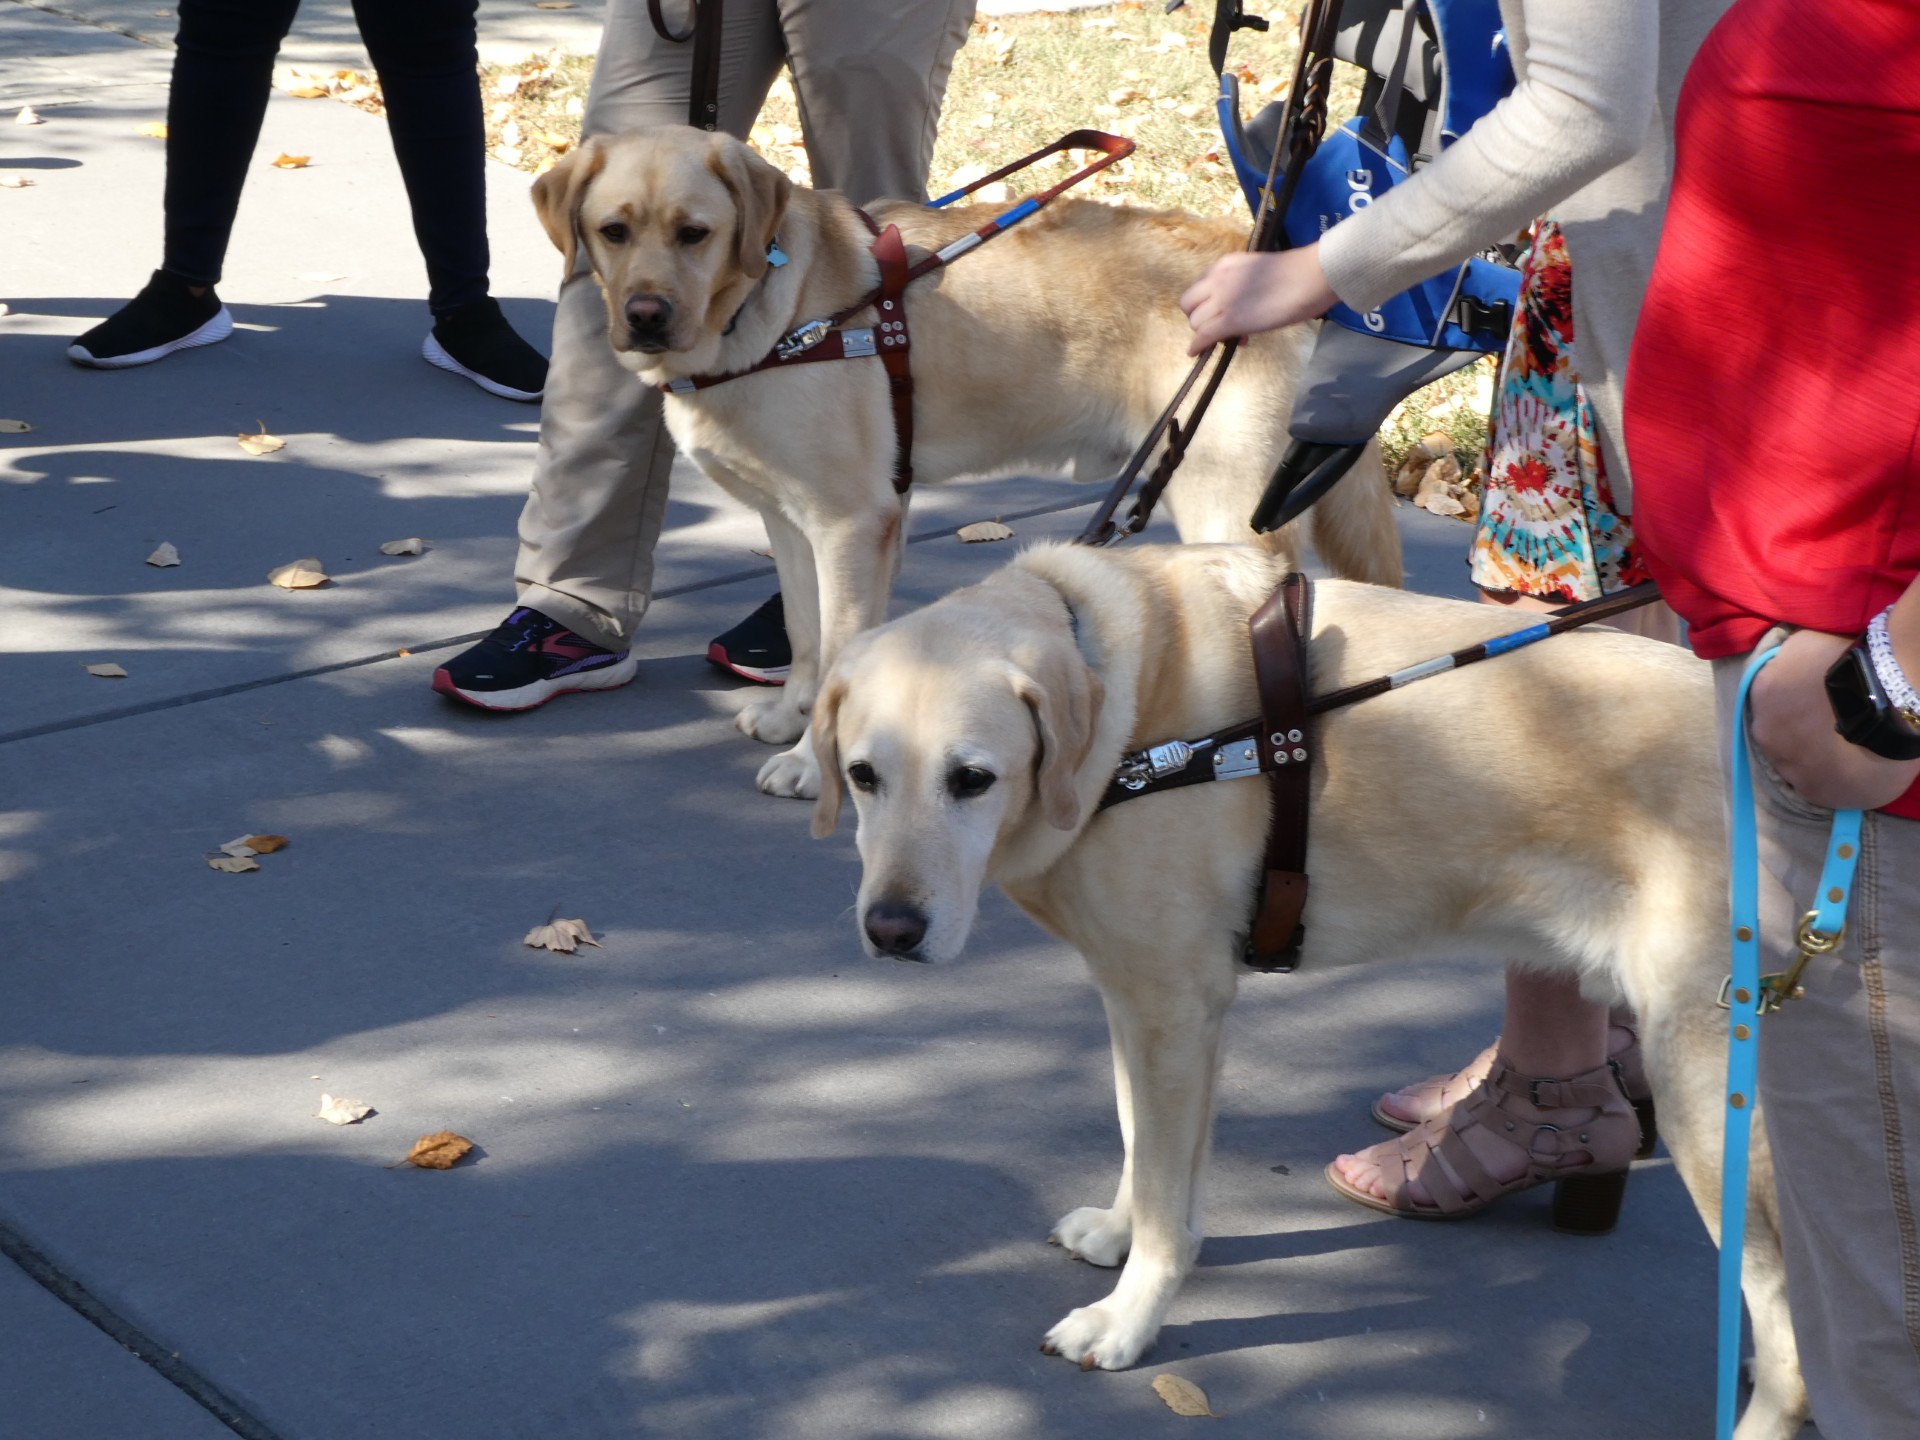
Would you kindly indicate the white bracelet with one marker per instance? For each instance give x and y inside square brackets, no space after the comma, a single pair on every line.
[1886,666]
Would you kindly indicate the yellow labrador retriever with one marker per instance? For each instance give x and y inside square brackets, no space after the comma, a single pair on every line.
[977,736]
[1054,345]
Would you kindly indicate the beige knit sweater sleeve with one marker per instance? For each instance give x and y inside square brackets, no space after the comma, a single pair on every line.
[1584,96]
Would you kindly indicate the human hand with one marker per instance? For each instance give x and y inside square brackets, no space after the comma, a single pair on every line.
[1247,293]
[1792,724]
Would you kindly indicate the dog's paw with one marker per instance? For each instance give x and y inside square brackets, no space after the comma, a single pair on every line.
[1093,1235]
[774,719]
[1098,1337]
[794,774]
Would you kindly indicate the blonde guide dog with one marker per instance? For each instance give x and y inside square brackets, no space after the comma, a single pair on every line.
[978,735]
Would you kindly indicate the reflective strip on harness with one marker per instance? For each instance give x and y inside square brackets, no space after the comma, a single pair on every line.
[1419,672]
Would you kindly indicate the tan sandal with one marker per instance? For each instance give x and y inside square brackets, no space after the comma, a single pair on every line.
[1583,1150]
[1438,1094]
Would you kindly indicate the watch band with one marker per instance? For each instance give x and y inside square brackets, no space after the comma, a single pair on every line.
[1886,668]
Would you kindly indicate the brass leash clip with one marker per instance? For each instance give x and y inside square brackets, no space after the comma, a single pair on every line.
[1776,990]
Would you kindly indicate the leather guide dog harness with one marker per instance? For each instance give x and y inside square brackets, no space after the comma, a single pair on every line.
[888,337]
[1279,745]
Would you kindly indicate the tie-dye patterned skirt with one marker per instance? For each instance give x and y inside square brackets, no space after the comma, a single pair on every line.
[1547,526]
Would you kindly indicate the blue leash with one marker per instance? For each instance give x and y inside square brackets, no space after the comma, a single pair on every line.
[1749,996]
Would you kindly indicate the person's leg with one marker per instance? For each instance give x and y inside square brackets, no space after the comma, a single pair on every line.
[222,76]
[599,495]
[425,55]
[600,480]
[853,63]
[1840,1098]
[870,79]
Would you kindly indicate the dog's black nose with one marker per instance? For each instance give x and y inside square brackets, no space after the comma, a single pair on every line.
[649,314]
[895,928]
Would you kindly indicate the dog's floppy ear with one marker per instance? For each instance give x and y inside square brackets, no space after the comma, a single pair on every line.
[826,751]
[759,193]
[558,193]
[1065,697]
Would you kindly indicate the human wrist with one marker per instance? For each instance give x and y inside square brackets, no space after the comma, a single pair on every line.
[1903,628]
[1874,702]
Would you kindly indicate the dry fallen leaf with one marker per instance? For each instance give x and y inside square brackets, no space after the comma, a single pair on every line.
[261,444]
[414,546]
[107,672]
[561,936]
[441,1150]
[154,129]
[983,530]
[307,574]
[291,162]
[1183,1397]
[14,427]
[232,864]
[165,554]
[338,1110]
[266,844]
[28,116]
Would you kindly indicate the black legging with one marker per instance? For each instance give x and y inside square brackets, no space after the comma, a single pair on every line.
[424,54]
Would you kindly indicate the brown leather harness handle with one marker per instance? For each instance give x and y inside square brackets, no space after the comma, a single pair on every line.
[1279,631]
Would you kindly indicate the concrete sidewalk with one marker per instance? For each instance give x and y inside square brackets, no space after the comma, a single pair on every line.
[734,1180]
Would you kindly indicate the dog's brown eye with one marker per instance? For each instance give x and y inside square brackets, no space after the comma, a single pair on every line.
[968,781]
[615,232]
[860,775]
[693,234]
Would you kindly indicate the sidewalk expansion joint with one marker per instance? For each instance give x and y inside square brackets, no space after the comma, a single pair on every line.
[219,692]
[164,1362]
[158,42]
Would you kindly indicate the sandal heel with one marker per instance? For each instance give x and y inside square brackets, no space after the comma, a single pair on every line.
[1588,1204]
[1649,1130]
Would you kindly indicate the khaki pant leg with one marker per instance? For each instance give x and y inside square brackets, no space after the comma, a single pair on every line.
[869,78]
[1840,1092]
[599,495]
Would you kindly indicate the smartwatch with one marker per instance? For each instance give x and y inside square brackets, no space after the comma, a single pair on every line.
[1874,706]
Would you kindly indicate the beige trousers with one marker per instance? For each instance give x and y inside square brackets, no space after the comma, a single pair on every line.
[1840,1089]
[869,75]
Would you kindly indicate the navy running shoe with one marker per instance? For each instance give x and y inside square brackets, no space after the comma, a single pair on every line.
[529,660]
[756,649]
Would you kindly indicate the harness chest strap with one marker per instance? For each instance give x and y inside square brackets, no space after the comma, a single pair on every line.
[887,338]
[1279,743]
[1279,631]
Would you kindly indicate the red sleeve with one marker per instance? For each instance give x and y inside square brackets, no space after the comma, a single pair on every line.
[1773,396]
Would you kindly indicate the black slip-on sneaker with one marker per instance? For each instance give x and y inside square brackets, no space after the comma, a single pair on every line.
[164,317]
[476,341]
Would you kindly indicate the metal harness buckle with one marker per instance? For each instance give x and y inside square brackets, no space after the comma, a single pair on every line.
[801,339]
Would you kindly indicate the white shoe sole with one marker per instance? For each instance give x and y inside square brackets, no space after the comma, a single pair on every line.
[610,677]
[436,354]
[759,674]
[211,333]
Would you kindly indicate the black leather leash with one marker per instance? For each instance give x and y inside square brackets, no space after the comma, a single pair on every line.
[1302,122]
[703,108]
